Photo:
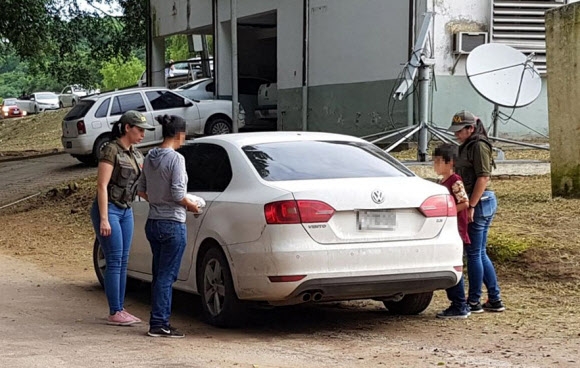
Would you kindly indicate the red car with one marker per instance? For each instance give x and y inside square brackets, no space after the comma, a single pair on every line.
[9,109]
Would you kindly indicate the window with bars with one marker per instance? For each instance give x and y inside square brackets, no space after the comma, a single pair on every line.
[520,24]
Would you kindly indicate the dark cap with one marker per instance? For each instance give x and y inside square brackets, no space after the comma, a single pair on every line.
[135,118]
[462,119]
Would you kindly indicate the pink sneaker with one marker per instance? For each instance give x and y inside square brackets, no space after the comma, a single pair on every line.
[127,314]
[120,319]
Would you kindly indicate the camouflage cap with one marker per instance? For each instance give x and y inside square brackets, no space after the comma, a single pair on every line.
[135,118]
[462,119]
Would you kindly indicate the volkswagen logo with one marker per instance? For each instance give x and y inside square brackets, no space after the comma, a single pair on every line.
[377,196]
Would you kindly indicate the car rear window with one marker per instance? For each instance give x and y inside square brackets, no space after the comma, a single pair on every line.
[307,160]
[79,110]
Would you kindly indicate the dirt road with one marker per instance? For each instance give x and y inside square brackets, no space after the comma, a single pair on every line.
[19,179]
[48,321]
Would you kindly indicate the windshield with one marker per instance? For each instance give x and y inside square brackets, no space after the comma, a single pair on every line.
[306,160]
[9,102]
[45,96]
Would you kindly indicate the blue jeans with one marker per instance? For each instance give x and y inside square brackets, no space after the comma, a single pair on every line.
[116,249]
[456,295]
[167,239]
[480,270]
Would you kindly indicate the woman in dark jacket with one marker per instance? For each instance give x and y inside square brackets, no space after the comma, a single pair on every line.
[474,165]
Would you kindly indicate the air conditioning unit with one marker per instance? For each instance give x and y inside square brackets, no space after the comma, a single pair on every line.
[465,42]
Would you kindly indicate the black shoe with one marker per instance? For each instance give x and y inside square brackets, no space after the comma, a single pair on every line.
[475,308]
[165,332]
[454,312]
[495,306]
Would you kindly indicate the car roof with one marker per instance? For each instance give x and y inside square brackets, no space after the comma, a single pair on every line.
[245,139]
[135,89]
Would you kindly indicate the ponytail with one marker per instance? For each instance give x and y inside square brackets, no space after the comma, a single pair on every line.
[480,129]
[116,132]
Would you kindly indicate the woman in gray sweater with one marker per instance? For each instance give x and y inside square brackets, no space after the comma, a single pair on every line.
[164,185]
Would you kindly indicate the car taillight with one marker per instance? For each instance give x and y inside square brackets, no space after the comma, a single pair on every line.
[81,128]
[439,206]
[296,212]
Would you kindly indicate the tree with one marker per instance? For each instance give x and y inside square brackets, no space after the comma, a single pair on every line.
[119,73]
[68,41]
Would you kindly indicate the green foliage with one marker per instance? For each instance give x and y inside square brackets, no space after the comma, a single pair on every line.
[503,247]
[68,41]
[119,73]
[177,48]
[16,77]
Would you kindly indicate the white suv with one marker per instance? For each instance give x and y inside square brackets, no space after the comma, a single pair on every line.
[86,129]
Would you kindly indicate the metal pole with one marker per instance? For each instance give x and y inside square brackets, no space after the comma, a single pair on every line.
[216,23]
[424,84]
[495,119]
[305,63]
[234,26]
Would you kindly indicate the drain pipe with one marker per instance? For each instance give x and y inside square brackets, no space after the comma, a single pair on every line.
[305,64]
[216,56]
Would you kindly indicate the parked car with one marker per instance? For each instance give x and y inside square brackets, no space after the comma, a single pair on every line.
[181,73]
[297,217]
[37,102]
[248,87]
[9,109]
[86,129]
[71,95]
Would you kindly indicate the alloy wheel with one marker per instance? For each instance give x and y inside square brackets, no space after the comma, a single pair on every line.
[213,287]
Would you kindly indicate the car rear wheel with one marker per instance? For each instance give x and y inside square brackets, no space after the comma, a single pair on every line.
[98,147]
[220,304]
[218,125]
[410,304]
[99,262]
[86,159]
[100,266]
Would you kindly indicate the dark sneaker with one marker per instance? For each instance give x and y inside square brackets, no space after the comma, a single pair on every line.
[475,308]
[454,312]
[165,332]
[495,306]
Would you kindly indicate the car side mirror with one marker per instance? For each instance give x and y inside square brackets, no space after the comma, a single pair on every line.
[188,103]
[31,98]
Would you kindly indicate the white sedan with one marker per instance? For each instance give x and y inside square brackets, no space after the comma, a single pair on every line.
[37,102]
[303,217]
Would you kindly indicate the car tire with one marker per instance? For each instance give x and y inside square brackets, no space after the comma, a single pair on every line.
[86,159]
[36,109]
[99,262]
[73,102]
[411,304]
[60,105]
[218,125]
[100,143]
[100,265]
[220,304]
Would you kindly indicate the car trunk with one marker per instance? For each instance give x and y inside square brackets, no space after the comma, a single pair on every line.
[359,218]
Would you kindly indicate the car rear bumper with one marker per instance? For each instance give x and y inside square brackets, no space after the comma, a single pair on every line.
[81,145]
[343,271]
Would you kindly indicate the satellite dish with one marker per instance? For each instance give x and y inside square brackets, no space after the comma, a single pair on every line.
[503,75]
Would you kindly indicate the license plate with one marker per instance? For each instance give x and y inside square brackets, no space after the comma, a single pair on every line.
[376,220]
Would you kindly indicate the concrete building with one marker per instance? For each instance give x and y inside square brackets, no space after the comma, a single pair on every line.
[340,60]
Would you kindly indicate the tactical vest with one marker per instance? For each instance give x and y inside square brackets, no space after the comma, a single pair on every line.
[122,186]
[464,163]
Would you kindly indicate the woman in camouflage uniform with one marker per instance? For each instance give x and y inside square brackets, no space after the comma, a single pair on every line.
[120,166]
[474,165]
